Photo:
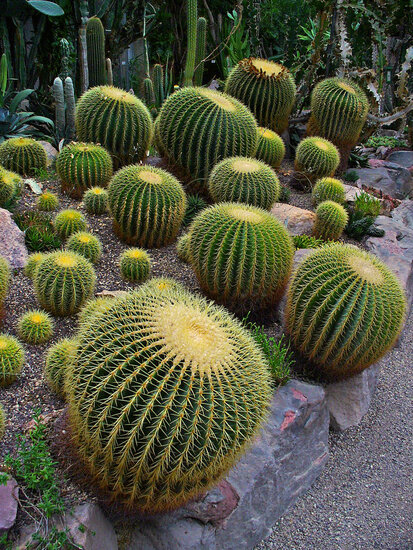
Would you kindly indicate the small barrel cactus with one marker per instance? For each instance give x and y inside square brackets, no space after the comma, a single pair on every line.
[68,222]
[166,391]
[161,285]
[241,255]
[63,282]
[4,279]
[345,309]
[328,189]
[331,219]
[93,307]
[58,359]
[47,202]
[194,205]
[86,245]
[135,265]
[10,183]
[316,158]
[271,148]
[23,155]
[182,248]
[267,88]
[96,201]
[35,327]
[32,263]
[243,179]
[11,359]
[2,421]
[147,205]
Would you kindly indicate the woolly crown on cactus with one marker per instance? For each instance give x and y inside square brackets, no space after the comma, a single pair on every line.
[331,219]
[47,202]
[23,155]
[316,158]
[328,189]
[271,148]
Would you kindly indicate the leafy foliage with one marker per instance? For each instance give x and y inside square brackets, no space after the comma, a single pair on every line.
[39,231]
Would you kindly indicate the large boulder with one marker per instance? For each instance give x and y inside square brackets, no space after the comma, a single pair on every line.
[403,158]
[51,152]
[9,494]
[388,177]
[12,245]
[297,220]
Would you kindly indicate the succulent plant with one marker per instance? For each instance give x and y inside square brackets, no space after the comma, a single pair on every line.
[93,307]
[135,265]
[116,119]
[32,263]
[161,285]
[63,282]
[182,248]
[23,155]
[345,309]
[201,34]
[96,60]
[58,359]
[68,222]
[10,183]
[246,180]
[47,202]
[331,219]
[96,201]
[316,158]
[35,327]
[11,359]
[188,391]
[307,241]
[267,88]
[5,276]
[194,205]
[147,205]
[3,419]
[328,189]
[40,235]
[271,148]
[86,244]
[81,166]
[241,255]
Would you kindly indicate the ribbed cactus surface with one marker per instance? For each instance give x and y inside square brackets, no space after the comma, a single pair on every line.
[47,202]
[316,158]
[23,155]
[32,263]
[182,248]
[345,309]
[331,219]
[271,148]
[135,265]
[5,276]
[96,201]
[58,359]
[328,189]
[35,327]
[166,391]
[96,60]
[10,183]
[86,244]
[68,222]
[3,419]
[11,359]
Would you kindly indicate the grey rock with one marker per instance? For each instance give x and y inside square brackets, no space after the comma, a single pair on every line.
[403,158]
[9,494]
[351,192]
[51,152]
[297,220]
[12,245]
[392,179]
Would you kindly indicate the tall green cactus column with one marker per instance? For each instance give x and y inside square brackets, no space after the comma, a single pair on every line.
[95,37]
[192,15]
[200,50]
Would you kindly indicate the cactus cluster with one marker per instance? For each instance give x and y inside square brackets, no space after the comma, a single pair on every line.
[345,309]
[32,263]
[64,98]
[147,205]
[58,359]
[47,202]
[4,279]
[188,391]
[182,248]
[68,222]
[96,201]
[10,183]
[96,60]
[331,219]
[86,244]
[316,158]
[11,359]
[135,265]
[23,155]
[267,88]
[35,327]
[271,148]
[328,189]
[246,180]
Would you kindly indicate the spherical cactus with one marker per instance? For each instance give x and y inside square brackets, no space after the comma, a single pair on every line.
[23,155]
[68,222]
[199,127]
[93,307]
[194,205]
[147,205]
[345,309]
[241,255]
[58,359]
[2,421]
[9,186]
[116,119]
[81,166]
[271,148]
[4,279]
[11,359]
[316,158]
[331,219]
[32,263]
[63,282]
[96,201]
[135,265]
[243,179]
[182,248]
[328,189]
[165,393]
[161,285]
[35,327]
[267,88]
[47,202]
[86,245]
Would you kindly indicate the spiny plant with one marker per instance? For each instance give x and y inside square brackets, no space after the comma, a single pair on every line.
[3,420]
[116,119]
[135,265]
[86,244]
[367,204]
[194,205]
[63,282]
[345,309]
[241,255]
[93,307]
[11,359]
[316,158]
[23,155]
[40,235]
[328,189]
[198,127]
[362,216]
[96,60]
[32,263]
[331,219]
[35,327]
[161,285]
[147,205]
[271,148]
[188,391]
[182,248]
[68,222]
[96,201]
[10,184]
[47,202]
[307,241]
[267,88]
[83,165]
[5,276]
[58,359]
[246,180]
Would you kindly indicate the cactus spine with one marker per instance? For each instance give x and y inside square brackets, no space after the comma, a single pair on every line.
[271,148]
[109,71]
[200,50]
[11,359]
[96,201]
[23,155]
[182,248]
[86,245]
[68,222]
[70,109]
[95,39]
[35,327]
[47,202]
[328,189]
[135,265]
[5,276]
[331,219]
[10,184]
[148,92]
[64,48]
[316,158]
[192,16]
[59,99]
[58,359]
[3,420]
[32,263]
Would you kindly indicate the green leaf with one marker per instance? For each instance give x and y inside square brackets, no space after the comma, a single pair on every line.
[18,98]
[45,7]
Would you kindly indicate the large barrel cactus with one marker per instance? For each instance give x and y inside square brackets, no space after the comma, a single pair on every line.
[345,309]
[271,148]
[241,255]
[147,205]
[165,392]
[267,88]
[316,158]
[117,120]
[23,155]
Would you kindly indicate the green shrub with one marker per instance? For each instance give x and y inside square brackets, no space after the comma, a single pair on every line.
[194,205]
[58,358]
[35,327]
[32,263]
[23,155]
[351,176]
[385,141]
[135,265]
[271,148]
[86,245]
[316,158]
[182,248]
[11,359]
[306,241]
[96,201]
[328,189]
[47,202]
[68,222]
[285,194]
[331,219]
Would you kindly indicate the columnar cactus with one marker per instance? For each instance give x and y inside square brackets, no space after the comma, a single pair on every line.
[35,327]
[11,359]
[271,148]
[68,222]
[316,158]
[23,155]
[328,189]
[58,359]
[47,202]
[135,265]
[192,18]
[345,309]
[10,183]
[83,165]
[241,255]
[86,244]
[331,219]
[96,60]
[147,205]
[267,88]
[96,201]
[165,392]
[32,263]
[201,32]
[243,179]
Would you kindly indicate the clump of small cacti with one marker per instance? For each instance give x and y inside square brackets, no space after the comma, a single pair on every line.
[58,359]
[93,307]
[182,248]
[271,148]
[96,201]
[23,155]
[86,244]
[194,205]
[81,166]
[10,183]
[63,282]
[11,359]
[307,241]
[68,222]
[117,120]
[32,263]
[246,180]
[47,202]
[135,265]
[2,421]
[147,205]
[267,88]
[4,279]
[345,309]
[35,327]
[191,377]
[331,219]
[241,255]
[328,189]
[316,158]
